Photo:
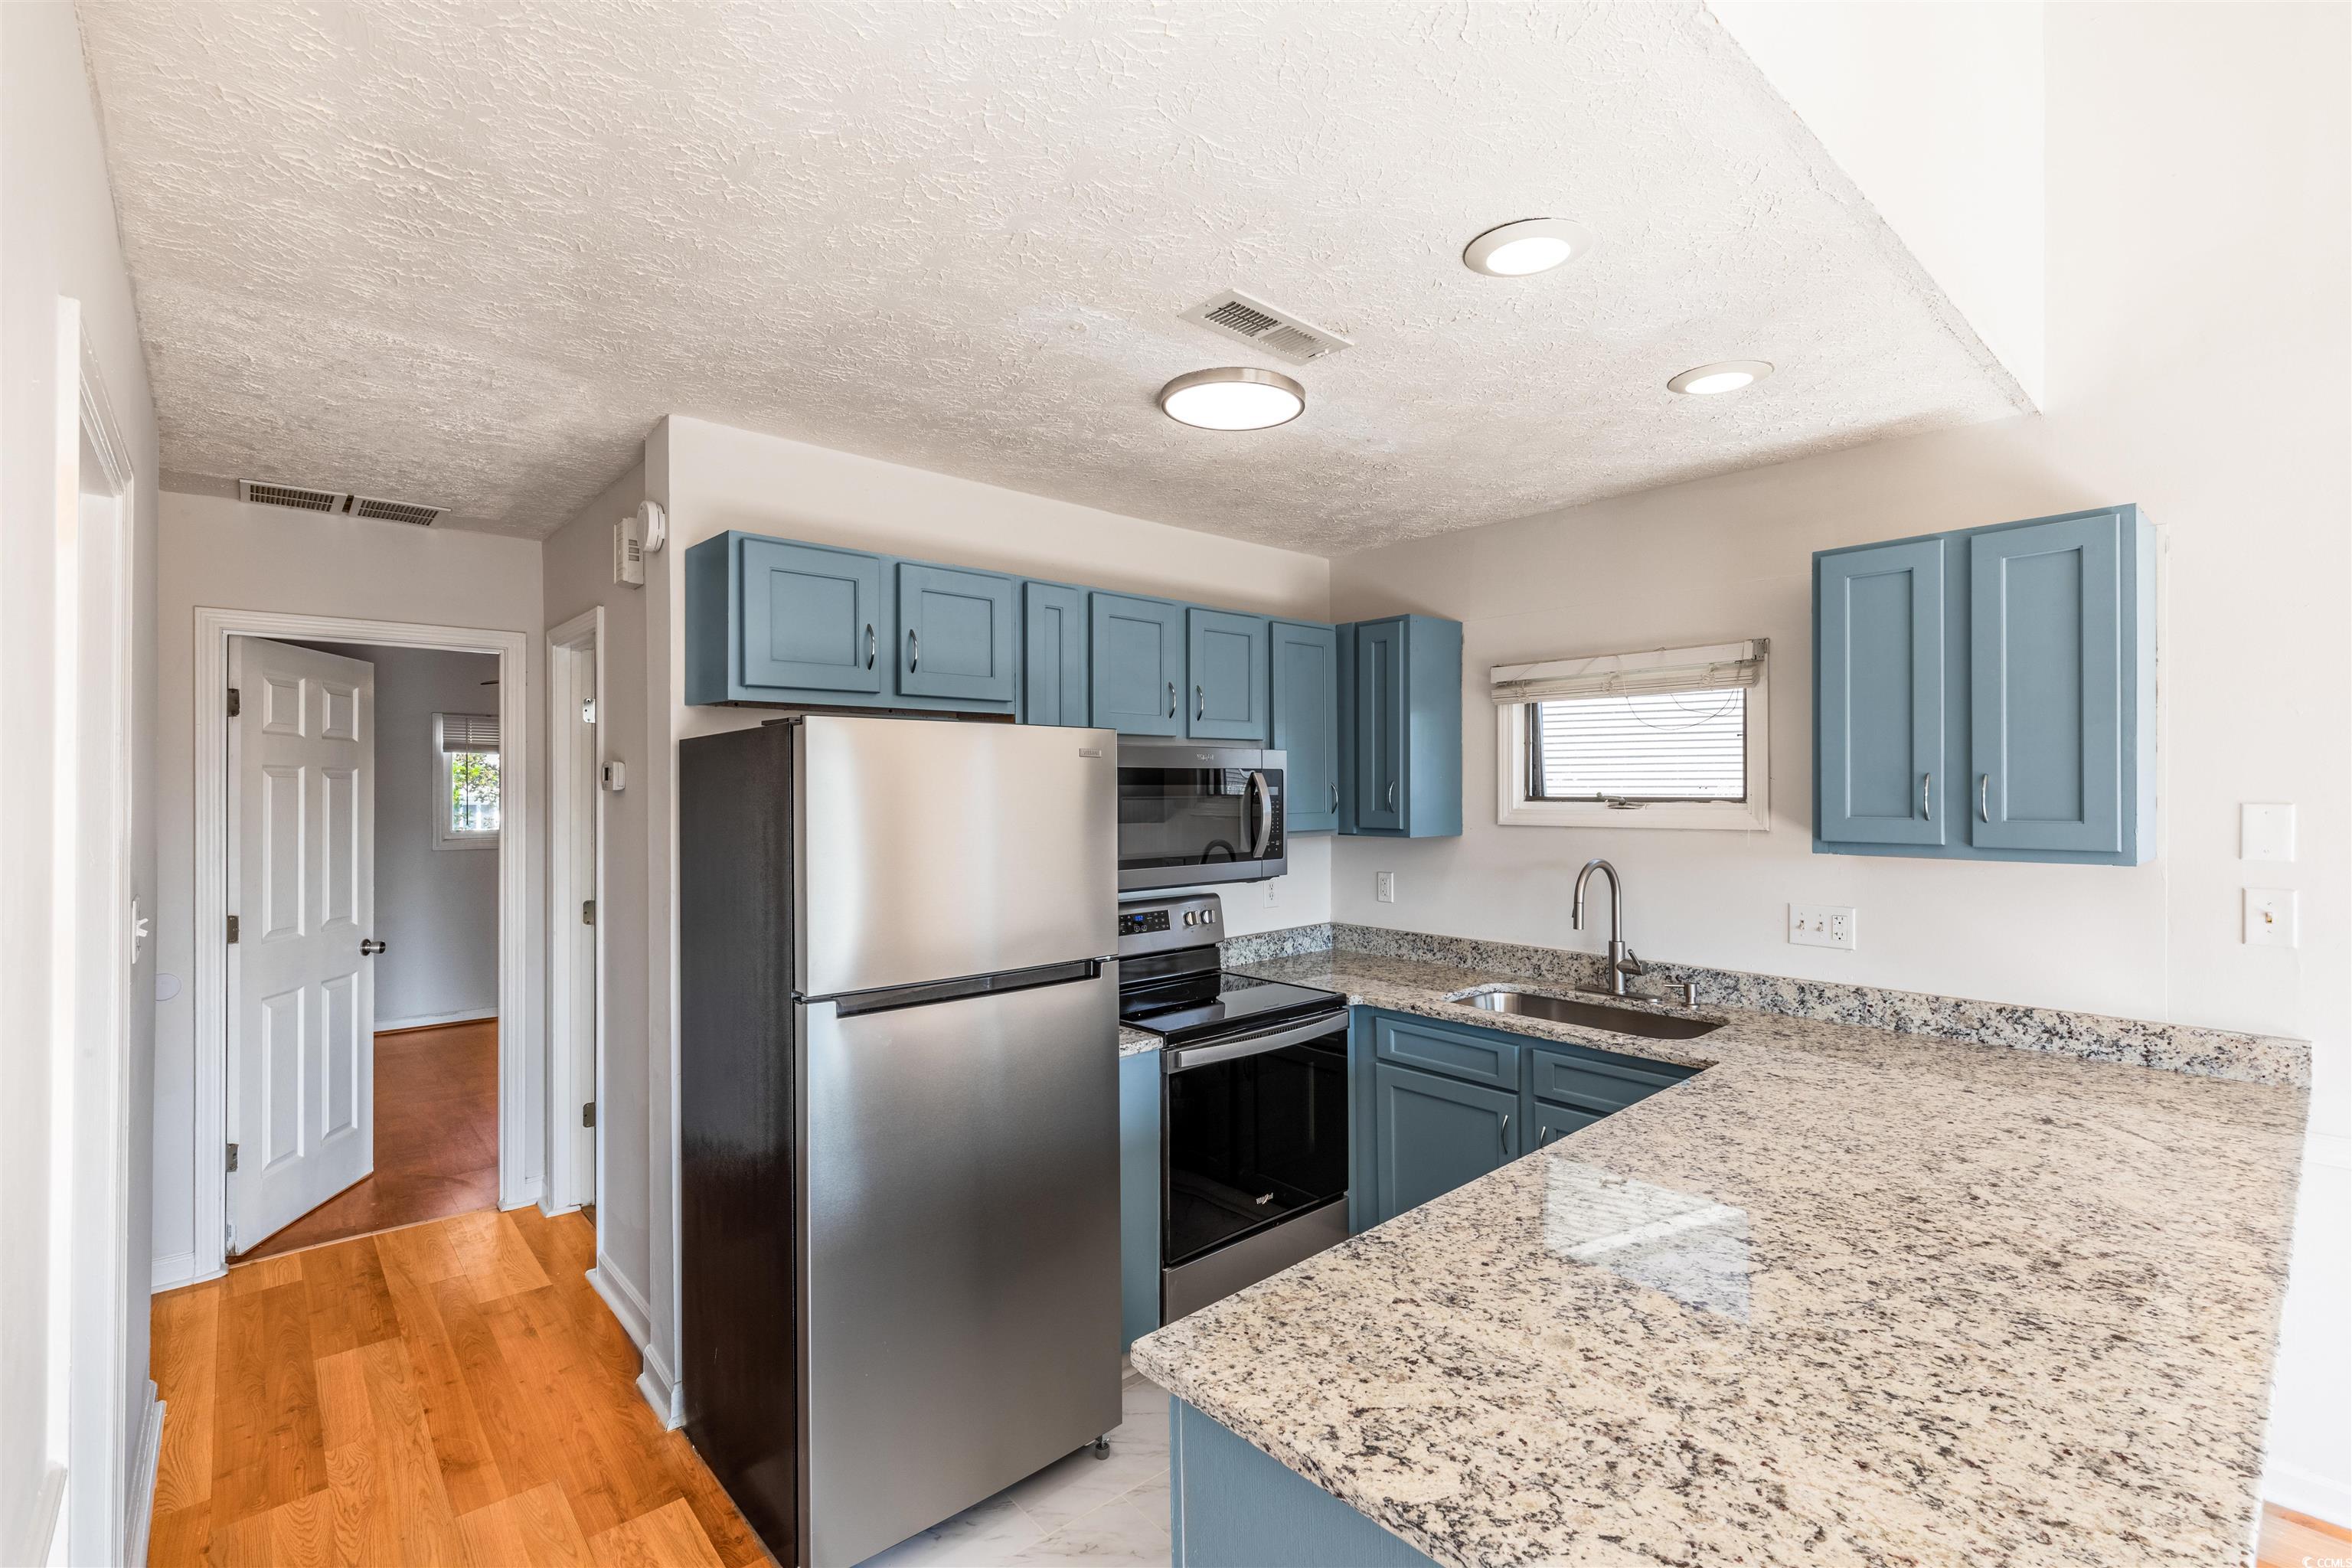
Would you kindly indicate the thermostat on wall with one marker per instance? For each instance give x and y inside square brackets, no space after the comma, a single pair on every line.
[616,776]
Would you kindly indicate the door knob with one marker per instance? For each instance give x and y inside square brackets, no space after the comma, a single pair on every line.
[370,947]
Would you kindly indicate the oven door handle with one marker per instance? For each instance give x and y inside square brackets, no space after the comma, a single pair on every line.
[1253,1044]
[1264,815]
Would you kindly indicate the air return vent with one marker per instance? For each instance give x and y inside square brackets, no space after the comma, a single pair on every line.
[1236,315]
[395,510]
[301,498]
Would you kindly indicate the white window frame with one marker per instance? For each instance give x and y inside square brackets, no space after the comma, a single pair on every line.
[444,836]
[1514,807]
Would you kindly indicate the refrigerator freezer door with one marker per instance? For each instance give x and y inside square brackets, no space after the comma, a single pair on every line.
[961,1183]
[932,850]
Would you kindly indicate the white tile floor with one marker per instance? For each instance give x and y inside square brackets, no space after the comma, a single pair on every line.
[1078,1509]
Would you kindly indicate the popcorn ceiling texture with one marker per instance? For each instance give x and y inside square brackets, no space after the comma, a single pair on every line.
[469,255]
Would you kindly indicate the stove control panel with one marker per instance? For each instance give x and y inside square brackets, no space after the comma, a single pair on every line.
[1164,925]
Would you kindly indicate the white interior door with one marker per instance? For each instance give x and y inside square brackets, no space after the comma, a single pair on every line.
[301,1056]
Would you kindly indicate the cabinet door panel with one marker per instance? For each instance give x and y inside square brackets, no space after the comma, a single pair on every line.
[1380,726]
[2046,677]
[1306,722]
[1137,651]
[1880,695]
[955,633]
[1434,1135]
[1548,1124]
[1054,668]
[1226,658]
[812,618]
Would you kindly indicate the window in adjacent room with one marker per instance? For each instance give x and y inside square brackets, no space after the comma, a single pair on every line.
[466,808]
[1669,738]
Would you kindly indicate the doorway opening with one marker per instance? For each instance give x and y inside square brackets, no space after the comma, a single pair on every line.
[575,957]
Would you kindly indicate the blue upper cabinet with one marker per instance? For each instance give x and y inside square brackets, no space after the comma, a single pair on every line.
[1225,657]
[813,617]
[1306,722]
[2042,669]
[955,634]
[1880,731]
[1136,649]
[1401,727]
[1053,654]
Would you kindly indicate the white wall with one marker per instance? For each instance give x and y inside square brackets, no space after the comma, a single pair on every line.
[2195,366]
[58,238]
[215,553]
[436,910]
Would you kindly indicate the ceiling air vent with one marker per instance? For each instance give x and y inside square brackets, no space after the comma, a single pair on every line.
[395,510]
[301,498]
[1236,315]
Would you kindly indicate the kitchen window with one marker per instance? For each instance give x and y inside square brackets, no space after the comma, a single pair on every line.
[466,806]
[1666,738]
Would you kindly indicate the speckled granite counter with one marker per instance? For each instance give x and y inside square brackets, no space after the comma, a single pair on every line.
[1846,1296]
[1130,1041]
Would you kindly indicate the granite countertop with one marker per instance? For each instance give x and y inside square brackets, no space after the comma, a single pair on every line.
[1846,1296]
[1132,1040]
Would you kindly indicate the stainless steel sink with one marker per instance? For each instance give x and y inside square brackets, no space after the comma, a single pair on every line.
[1593,1015]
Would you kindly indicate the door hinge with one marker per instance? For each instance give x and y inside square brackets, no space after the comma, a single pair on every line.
[232,927]
[235,702]
[588,1114]
[587,911]
[232,1156]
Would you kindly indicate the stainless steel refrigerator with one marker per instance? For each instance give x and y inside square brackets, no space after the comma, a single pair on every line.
[898,1107]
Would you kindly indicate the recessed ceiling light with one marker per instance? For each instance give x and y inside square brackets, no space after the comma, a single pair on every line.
[1530,245]
[1729,375]
[1238,398]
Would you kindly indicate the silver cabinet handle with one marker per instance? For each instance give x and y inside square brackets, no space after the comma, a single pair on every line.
[370,947]
[1335,794]
[1171,700]
[1200,701]
[1928,795]
[869,645]
[1546,1136]
[1507,1135]
[1391,794]
[914,650]
[1984,784]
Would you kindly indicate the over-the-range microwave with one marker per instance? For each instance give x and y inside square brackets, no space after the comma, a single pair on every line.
[1190,814]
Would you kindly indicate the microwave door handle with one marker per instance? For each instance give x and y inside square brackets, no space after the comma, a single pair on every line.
[1264,815]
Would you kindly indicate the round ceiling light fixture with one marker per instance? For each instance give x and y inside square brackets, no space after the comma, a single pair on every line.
[1236,397]
[1725,375]
[1529,246]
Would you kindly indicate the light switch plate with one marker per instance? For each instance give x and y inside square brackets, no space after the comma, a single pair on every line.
[2265,832]
[2270,917]
[1384,886]
[1822,925]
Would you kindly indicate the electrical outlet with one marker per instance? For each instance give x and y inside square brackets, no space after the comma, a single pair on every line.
[2270,917]
[2265,832]
[1270,885]
[1822,925]
[1384,886]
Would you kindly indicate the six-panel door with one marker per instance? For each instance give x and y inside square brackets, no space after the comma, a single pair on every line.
[1225,657]
[812,618]
[1433,1134]
[1306,722]
[1380,725]
[1137,652]
[1054,661]
[955,633]
[1881,708]
[2045,681]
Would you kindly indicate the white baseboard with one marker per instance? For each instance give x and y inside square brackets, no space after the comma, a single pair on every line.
[662,1390]
[2308,1491]
[44,1540]
[427,1020]
[625,1302]
[172,1272]
[139,1505]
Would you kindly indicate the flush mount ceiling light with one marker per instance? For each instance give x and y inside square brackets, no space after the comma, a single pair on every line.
[1238,398]
[1530,245]
[1727,375]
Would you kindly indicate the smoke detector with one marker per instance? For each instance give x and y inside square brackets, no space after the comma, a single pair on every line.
[309,497]
[1233,314]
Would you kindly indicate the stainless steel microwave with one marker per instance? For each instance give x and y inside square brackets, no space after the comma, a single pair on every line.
[1193,813]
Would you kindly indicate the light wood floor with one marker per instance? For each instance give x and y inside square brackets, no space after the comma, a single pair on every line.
[2297,1541]
[437,1138]
[450,1394]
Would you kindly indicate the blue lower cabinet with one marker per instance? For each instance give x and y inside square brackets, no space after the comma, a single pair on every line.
[1548,1124]
[1433,1134]
[955,634]
[1135,650]
[1306,720]
[1232,1506]
[1053,654]
[1595,1081]
[1226,659]
[1458,1050]
[1139,1195]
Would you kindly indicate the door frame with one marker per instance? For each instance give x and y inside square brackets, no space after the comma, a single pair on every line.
[213,627]
[567,1036]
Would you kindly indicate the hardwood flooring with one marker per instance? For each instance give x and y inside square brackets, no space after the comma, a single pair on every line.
[437,1138]
[2292,1540]
[450,1394]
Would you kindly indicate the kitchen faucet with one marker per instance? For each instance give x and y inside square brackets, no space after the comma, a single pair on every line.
[1622,963]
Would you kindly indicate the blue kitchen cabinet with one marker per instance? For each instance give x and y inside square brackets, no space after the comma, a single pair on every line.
[811,618]
[1433,1134]
[1458,1050]
[2005,678]
[1053,654]
[1136,652]
[1139,1195]
[955,633]
[1234,1506]
[1400,727]
[1226,658]
[1880,728]
[1306,717]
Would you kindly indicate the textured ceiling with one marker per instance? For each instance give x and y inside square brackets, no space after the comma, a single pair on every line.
[469,254]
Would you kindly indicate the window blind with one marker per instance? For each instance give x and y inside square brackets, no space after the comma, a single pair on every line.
[1640,747]
[1716,668]
[468,732]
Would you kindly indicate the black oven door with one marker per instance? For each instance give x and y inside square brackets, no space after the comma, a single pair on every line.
[1255,1133]
[1194,815]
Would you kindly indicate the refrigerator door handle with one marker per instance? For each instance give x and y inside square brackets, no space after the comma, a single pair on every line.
[856,1004]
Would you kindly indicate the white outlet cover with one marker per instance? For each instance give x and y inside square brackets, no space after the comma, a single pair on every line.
[1384,886]
[2270,917]
[2265,832]
[1823,925]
